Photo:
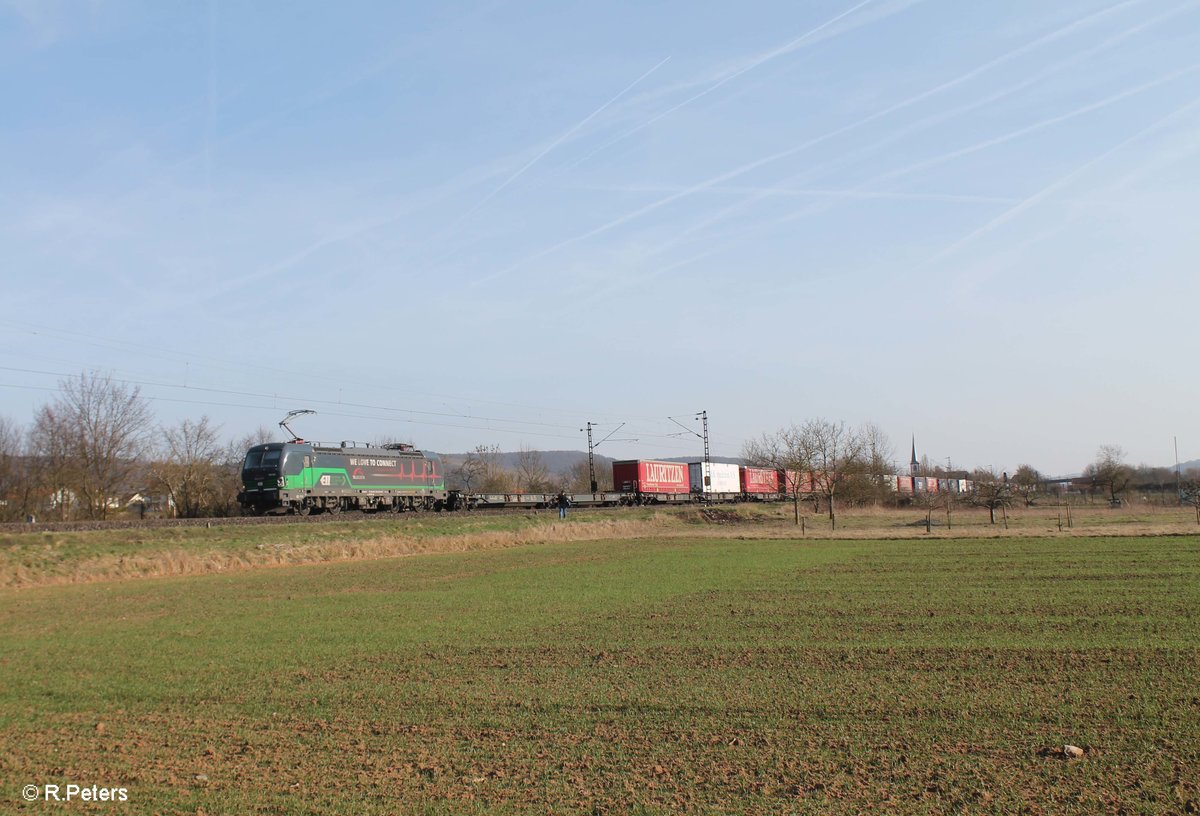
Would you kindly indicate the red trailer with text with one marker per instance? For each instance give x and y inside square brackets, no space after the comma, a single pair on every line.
[649,476]
[759,481]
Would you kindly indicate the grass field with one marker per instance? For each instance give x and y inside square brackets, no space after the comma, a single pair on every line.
[680,671]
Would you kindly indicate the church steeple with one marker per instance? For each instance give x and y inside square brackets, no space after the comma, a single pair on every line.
[914,465]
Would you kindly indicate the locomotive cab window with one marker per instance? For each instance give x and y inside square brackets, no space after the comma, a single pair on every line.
[294,463]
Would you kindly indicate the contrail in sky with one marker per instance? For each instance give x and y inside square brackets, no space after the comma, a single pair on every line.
[791,151]
[921,165]
[556,143]
[1049,190]
[754,63]
[821,192]
[373,224]
[925,164]
[933,119]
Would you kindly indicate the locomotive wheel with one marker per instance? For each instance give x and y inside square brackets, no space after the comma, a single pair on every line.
[334,509]
[303,510]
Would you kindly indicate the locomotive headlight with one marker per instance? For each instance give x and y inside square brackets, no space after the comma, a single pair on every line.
[279,482]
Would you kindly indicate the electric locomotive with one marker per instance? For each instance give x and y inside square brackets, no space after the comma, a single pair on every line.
[303,477]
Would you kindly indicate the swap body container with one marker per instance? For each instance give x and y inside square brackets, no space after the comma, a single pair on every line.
[797,481]
[723,478]
[904,484]
[650,476]
[759,480]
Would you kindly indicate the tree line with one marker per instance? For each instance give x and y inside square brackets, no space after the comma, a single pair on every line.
[95,450]
[844,465]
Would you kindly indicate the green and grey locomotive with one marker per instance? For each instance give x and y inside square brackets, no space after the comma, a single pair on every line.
[302,477]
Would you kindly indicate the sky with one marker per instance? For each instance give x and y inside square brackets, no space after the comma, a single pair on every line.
[493,222]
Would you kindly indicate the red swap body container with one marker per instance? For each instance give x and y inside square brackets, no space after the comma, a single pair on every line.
[650,476]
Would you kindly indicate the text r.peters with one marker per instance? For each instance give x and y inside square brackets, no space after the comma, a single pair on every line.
[79,793]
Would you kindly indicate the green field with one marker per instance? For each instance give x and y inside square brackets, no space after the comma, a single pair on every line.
[660,675]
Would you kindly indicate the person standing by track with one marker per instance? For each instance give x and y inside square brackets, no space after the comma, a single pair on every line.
[562,503]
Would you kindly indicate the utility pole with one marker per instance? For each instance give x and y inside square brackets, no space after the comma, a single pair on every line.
[1178,481]
[591,458]
[592,450]
[706,468]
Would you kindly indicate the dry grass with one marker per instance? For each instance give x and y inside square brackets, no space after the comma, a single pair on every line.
[190,556]
[776,521]
[160,563]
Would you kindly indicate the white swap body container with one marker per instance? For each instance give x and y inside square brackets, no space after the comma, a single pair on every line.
[723,478]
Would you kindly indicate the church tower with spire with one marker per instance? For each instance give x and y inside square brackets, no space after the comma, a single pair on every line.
[914,465]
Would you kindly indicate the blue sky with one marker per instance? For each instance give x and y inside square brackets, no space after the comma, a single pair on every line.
[488,223]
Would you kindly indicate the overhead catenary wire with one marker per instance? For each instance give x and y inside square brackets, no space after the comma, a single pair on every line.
[175,356]
[390,414]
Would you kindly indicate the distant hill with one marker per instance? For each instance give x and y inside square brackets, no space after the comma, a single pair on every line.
[557,462]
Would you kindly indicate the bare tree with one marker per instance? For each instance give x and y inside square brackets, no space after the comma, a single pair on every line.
[189,469]
[929,502]
[877,462]
[829,451]
[494,478]
[532,475]
[837,454]
[1189,494]
[579,477]
[787,451]
[469,471]
[1025,481]
[107,424]
[1110,472]
[992,492]
[54,465]
[12,470]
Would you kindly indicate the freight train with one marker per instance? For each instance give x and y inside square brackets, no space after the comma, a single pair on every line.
[651,481]
[302,477]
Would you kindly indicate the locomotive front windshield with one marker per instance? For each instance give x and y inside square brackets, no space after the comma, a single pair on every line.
[263,460]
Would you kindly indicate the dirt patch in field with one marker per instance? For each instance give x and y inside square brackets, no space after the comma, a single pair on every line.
[719,515]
